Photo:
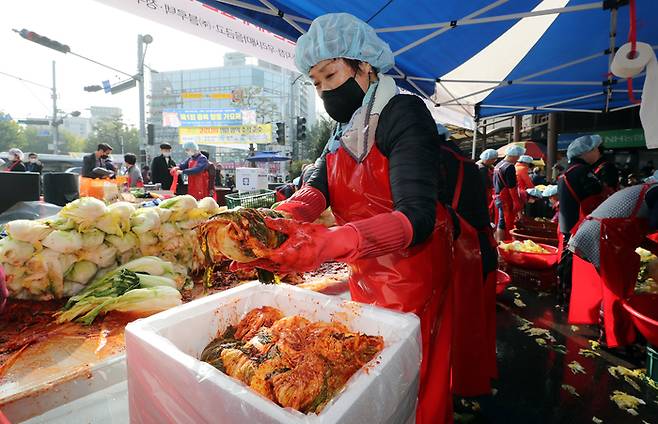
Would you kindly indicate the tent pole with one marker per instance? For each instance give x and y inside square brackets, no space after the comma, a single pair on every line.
[551,146]
[613,35]
[517,128]
[475,138]
[484,135]
[624,107]
[441,80]
[284,17]
[452,97]
[500,18]
[447,27]
[266,11]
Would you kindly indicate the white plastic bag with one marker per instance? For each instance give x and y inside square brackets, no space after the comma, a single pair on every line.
[166,381]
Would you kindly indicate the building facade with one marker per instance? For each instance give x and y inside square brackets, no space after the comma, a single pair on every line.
[276,94]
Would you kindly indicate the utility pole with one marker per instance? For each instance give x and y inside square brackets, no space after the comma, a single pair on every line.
[54,122]
[142,113]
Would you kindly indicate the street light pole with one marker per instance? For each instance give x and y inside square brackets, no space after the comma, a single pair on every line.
[142,112]
[54,122]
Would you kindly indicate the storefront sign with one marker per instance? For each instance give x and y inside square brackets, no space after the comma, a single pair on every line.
[238,134]
[614,139]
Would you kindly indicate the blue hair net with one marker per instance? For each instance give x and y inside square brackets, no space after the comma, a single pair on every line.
[583,144]
[550,190]
[514,150]
[525,159]
[489,154]
[443,131]
[653,178]
[190,145]
[337,35]
[534,192]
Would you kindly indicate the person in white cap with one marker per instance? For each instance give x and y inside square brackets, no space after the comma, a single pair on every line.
[506,194]
[16,161]
[580,192]
[379,173]
[195,168]
[523,167]
[486,167]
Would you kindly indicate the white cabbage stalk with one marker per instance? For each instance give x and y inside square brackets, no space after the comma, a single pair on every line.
[150,250]
[60,223]
[110,224]
[64,241]
[146,280]
[124,211]
[179,205]
[144,220]
[164,214]
[103,256]
[209,205]
[127,256]
[82,272]
[71,288]
[57,265]
[123,244]
[92,239]
[27,230]
[168,230]
[149,265]
[85,212]
[147,239]
[15,252]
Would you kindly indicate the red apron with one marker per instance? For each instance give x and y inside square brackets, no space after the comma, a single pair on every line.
[197,184]
[509,214]
[585,281]
[619,266]
[411,280]
[470,374]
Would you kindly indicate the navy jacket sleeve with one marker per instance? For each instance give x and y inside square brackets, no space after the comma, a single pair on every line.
[88,165]
[510,177]
[407,136]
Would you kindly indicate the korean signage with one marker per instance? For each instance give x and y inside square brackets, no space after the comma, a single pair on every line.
[237,134]
[207,117]
[205,21]
[614,139]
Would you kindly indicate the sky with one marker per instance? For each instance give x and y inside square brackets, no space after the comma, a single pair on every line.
[94,30]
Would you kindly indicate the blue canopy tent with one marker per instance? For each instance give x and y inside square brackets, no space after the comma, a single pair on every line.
[484,58]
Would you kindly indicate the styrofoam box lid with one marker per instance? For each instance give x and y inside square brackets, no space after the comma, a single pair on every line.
[166,381]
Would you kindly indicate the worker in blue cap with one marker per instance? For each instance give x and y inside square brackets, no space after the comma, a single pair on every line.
[523,167]
[506,194]
[580,192]
[195,167]
[379,173]
[485,165]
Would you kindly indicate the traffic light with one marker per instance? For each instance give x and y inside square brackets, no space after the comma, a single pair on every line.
[301,128]
[281,133]
[44,41]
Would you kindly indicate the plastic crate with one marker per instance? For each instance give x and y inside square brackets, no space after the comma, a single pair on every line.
[251,199]
[542,280]
[652,363]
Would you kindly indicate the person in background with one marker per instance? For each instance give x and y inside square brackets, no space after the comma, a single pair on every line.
[607,239]
[219,177]
[608,174]
[550,193]
[633,179]
[146,174]
[486,167]
[97,164]
[648,169]
[135,178]
[537,177]
[506,193]
[580,192]
[230,182]
[195,167]
[523,181]
[161,167]
[16,161]
[212,174]
[33,163]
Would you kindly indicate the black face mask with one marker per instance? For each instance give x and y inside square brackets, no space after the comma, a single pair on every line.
[341,103]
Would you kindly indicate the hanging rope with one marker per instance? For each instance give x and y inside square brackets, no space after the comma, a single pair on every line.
[632,38]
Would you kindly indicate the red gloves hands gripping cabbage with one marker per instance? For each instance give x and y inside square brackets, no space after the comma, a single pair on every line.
[310,245]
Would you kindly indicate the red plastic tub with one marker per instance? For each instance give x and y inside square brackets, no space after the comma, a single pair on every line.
[502,281]
[644,312]
[530,260]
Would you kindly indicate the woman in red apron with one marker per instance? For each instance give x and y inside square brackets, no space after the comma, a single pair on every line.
[486,167]
[195,167]
[506,194]
[474,335]
[379,174]
[579,192]
[607,240]
[524,182]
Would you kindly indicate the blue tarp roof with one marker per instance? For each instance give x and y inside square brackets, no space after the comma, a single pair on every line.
[572,36]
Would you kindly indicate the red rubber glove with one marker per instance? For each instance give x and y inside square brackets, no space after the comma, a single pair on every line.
[308,246]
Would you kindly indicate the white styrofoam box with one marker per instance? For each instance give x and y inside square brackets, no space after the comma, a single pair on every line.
[167,383]
[246,179]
